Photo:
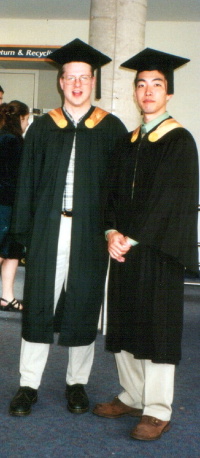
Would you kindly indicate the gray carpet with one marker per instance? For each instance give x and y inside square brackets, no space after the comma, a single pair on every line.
[51,431]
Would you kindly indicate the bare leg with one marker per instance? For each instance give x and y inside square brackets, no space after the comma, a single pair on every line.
[8,272]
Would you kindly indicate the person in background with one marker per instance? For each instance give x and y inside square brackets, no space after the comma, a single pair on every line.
[151,226]
[13,123]
[1,95]
[59,218]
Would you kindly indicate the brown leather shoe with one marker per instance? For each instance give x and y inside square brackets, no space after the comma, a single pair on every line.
[116,409]
[150,428]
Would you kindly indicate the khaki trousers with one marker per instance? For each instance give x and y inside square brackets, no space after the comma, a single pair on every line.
[33,355]
[146,385]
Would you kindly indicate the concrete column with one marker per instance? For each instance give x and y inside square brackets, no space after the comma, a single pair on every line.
[117,28]
[102,36]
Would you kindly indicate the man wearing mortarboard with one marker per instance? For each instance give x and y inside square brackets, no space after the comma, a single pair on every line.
[152,236]
[59,217]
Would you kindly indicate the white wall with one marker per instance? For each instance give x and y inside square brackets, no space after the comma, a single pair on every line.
[182,39]
[42,32]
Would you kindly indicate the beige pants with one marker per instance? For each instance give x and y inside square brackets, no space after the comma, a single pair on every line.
[34,356]
[146,385]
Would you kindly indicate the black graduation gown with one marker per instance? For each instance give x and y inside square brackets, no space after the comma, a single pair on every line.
[10,152]
[36,222]
[145,294]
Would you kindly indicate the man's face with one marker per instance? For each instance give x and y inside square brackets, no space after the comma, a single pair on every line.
[77,91]
[151,93]
[1,97]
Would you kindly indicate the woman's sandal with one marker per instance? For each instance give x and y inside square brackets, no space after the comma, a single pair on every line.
[13,306]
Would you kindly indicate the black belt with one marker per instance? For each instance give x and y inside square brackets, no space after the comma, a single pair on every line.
[66,213]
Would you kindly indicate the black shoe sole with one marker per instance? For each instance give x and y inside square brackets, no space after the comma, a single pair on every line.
[19,414]
[23,413]
[73,410]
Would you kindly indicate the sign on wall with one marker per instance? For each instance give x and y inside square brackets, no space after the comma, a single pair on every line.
[26,53]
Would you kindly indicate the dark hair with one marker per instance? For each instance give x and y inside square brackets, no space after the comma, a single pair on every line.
[10,116]
[164,73]
[1,89]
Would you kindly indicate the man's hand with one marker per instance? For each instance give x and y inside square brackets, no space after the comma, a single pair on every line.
[118,245]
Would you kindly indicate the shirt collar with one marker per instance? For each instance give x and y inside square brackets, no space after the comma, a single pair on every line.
[146,127]
[72,119]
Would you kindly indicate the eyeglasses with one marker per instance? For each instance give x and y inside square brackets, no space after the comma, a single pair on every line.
[83,79]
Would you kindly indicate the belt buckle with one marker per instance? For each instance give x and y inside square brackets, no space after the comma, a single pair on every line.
[66,213]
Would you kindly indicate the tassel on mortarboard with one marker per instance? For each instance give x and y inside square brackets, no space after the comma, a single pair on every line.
[98,83]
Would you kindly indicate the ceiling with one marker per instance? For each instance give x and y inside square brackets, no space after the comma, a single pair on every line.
[157,10]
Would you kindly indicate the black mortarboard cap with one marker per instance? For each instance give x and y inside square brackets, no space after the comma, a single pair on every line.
[151,59]
[1,89]
[78,51]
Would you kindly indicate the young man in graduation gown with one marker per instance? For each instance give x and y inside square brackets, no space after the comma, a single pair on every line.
[59,218]
[152,236]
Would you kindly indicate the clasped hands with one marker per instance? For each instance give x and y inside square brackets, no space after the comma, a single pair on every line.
[118,245]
